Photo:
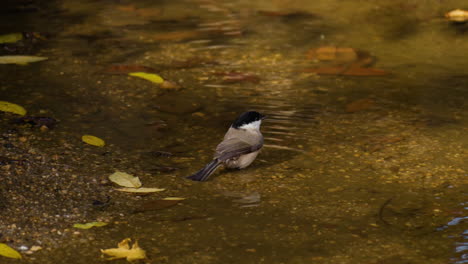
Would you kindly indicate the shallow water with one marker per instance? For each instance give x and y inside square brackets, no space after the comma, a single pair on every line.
[381,182]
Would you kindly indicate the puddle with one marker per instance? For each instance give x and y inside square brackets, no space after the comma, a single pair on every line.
[365,144]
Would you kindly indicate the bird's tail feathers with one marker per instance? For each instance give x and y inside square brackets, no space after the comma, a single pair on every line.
[203,174]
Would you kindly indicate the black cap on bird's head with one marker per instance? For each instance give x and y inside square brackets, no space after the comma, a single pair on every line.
[247,118]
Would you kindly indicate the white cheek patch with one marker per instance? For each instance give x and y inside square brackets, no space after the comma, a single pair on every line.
[254,125]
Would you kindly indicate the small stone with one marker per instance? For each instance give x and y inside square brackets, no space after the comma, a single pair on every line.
[169,85]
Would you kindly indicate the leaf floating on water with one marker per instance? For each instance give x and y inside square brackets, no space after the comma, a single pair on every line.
[20,59]
[92,140]
[332,53]
[123,250]
[457,15]
[89,225]
[140,190]
[173,199]
[154,78]
[125,180]
[12,108]
[11,38]
[9,252]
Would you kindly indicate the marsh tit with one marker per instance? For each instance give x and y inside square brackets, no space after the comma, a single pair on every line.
[239,148]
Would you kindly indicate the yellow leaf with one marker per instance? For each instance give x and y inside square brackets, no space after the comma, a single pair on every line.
[123,250]
[11,38]
[140,190]
[8,252]
[125,179]
[92,140]
[148,76]
[89,225]
[12,108]
[20,59]
[173,198]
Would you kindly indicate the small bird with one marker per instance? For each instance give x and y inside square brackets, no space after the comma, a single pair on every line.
[239,148]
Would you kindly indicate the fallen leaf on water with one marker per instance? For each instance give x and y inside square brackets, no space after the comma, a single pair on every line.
[173,199]
[127,68]
[89,225]
[12,108]
[11,38]
[125,179]
[140,190]
[8,252]
[360,105]
[123,250]
[332,53]
[20,59]
[457,15]
[92,140]
[154,78]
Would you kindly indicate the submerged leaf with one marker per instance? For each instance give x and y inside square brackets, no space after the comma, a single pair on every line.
[123,250]
[11,38]
[20,59]
[89,225]
[360,105]
[125,179]
[92,140]
[140,190]
[154,78]
[12,108]
[9,252]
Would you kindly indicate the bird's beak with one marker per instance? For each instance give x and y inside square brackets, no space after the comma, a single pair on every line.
[263,117]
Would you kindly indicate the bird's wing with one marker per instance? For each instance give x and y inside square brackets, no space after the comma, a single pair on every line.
[234,147]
